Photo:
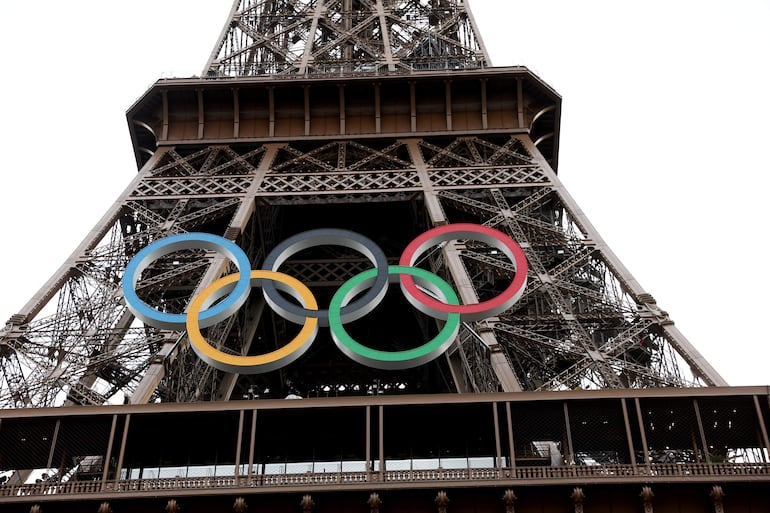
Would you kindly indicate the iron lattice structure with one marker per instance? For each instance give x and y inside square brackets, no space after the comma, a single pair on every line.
[393,123]
[346,36]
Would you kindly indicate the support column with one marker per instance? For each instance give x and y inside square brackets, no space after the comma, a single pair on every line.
[643,434]
[763,430]
[463,283]
[498,451]
[686,350]
[701,432]
[252,442]
[238,445]
[511,443]
[629,438]
[122,453]
[108,454]
[174,340]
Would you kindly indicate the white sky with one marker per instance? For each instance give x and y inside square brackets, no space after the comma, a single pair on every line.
[664,130]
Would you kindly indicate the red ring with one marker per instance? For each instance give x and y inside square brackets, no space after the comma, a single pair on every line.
[474,311]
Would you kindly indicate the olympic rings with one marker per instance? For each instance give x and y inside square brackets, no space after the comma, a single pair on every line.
[223,297]
[252,364]
[172,243]
[335,237]
[389,360]
[472,311]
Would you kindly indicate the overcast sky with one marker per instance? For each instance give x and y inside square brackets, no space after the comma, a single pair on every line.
[663,140]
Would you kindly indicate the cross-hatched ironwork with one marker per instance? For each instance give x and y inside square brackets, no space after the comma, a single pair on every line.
[278,37]
[393,122]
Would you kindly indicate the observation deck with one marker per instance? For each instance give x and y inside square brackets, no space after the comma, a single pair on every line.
[339,447]
[362,105]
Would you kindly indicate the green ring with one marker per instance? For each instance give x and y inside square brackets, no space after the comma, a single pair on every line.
[393,360]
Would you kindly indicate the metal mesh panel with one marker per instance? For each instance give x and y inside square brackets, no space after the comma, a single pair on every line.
[415,440]
[539,434]
[25,443]
[598,433]
[730,428]
[185,447]
[310,440]
[81,447]
[672,431]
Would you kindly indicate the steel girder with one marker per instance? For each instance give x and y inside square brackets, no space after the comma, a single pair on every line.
[311,37]
[583,320]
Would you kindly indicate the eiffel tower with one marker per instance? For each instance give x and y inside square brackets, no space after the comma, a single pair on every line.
[382,117]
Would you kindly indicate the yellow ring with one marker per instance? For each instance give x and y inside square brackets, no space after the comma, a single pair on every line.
[260,363]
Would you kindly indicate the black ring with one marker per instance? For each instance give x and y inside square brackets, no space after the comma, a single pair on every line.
[321,237]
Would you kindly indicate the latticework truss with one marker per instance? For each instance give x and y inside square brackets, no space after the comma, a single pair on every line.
[309,37]
[393,125]
[583,321]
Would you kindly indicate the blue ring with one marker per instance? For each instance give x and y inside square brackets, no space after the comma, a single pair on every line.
[193,240]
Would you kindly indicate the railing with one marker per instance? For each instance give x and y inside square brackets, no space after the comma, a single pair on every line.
[662,472]
[342,73]
[442,475]
[237,71]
